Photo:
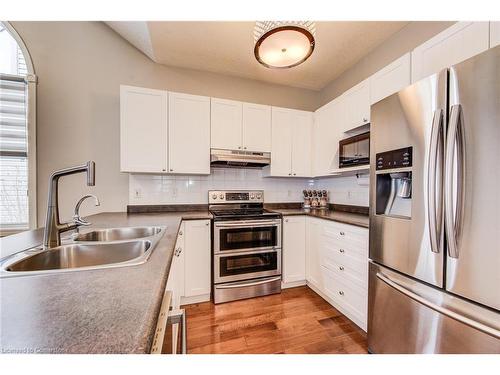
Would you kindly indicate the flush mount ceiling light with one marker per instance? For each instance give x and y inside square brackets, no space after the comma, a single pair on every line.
[283,44]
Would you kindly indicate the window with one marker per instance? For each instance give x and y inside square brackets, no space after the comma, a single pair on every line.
[17,206]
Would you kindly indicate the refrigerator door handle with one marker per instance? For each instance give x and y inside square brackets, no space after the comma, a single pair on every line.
[435,195]
[454,199]
[440,309]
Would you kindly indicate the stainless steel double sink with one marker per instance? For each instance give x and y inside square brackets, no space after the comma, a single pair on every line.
[98,248]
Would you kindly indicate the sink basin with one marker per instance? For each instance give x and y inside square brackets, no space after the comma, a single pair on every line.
[117,234]
[100,248]
[80,256]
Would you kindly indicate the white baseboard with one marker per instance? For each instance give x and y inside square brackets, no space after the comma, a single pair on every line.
[195,299]
[293,284]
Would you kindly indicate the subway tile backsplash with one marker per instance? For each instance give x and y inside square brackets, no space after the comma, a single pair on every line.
[166,189]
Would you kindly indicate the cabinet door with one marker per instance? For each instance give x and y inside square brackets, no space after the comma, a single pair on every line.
[225,124]
[143,130]
[175,282]
[327,133]
[313,242]
[391,79]
[256,127]
[301,143]
[455,44]
[197,266]
[294,248]
[281,154]
[357,106]
[494,34]
[189,134]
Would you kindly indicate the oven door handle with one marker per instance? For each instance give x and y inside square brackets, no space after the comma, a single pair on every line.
[240,285]
[259,223]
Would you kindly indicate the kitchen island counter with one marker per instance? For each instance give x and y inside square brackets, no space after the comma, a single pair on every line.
[110,310]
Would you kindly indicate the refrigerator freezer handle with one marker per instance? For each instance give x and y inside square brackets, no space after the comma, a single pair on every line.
[454,207]
[434,209]
[440,309]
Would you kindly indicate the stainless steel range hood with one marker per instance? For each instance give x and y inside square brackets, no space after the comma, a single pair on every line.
[239,159]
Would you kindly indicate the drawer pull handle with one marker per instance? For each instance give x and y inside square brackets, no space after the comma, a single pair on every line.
[342,233]
[342,250]
[341,268]
[341,292]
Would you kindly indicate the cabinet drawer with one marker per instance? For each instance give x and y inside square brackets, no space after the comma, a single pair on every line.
[343,238]
[351,298]
[351,269]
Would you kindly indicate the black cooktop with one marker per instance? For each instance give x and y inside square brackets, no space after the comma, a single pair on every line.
[243,213]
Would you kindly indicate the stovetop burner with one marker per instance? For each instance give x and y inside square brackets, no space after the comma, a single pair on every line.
[221,212]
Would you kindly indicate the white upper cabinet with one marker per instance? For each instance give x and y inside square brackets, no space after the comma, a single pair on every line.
[455,44]
[391,79]
[143,130]
[240,126]
[328,130]
[302,126]
[197,278]
[226,118]
[256,125]
[356,106]
[294,249]
[494,34]
[291,143]
[281,154]
[188,133]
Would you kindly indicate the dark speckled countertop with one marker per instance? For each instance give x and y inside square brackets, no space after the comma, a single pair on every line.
[357,219]
[110,310]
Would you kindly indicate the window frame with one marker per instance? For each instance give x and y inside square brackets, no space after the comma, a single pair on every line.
[31,83]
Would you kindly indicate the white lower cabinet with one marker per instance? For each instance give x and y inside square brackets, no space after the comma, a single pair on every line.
[294,250]
[190,272]
[313,264]
[337,266]
[175,282]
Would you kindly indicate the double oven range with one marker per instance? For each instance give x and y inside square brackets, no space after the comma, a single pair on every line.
[246,246]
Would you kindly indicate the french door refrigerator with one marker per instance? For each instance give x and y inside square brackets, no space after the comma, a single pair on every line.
[434,284]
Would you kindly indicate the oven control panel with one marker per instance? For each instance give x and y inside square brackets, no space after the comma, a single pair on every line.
[236,196]
[400,158]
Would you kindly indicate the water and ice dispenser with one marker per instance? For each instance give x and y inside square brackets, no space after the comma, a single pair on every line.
[394,186]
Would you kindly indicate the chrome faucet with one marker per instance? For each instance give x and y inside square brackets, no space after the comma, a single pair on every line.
[77,219]
[53,227]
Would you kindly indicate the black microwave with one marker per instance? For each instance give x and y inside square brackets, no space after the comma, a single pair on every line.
[354,151]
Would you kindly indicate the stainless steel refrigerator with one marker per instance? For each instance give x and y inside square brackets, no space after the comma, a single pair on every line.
[434,284]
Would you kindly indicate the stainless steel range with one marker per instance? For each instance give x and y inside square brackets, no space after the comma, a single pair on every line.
[246,246]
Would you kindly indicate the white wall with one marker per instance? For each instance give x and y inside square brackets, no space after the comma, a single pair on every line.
[158,189]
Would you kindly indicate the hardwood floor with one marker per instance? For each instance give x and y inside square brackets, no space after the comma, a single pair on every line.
[295,321]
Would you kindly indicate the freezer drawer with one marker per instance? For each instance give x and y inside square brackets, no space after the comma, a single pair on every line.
[405,316]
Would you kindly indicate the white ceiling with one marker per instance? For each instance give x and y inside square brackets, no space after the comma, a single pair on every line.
[227,48]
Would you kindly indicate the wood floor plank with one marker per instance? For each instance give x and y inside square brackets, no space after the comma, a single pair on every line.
[296,321]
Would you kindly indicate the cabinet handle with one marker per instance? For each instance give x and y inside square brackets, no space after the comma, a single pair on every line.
[295,174]
[341,268]
[239,147]
[341,292]
[365,119]
[342,251]
[289,174]
[163,169]
[180,233]
[171,170]
[244,148]
[342,233]
[286,220]
[207,224]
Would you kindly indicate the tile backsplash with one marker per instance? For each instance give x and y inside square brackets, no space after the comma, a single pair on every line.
[166,189]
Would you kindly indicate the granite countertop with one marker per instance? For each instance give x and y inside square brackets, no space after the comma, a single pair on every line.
[110,310]
[357,219]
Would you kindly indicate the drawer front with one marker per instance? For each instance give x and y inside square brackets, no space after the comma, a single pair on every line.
[347,237]
[353,299]
[351,269]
